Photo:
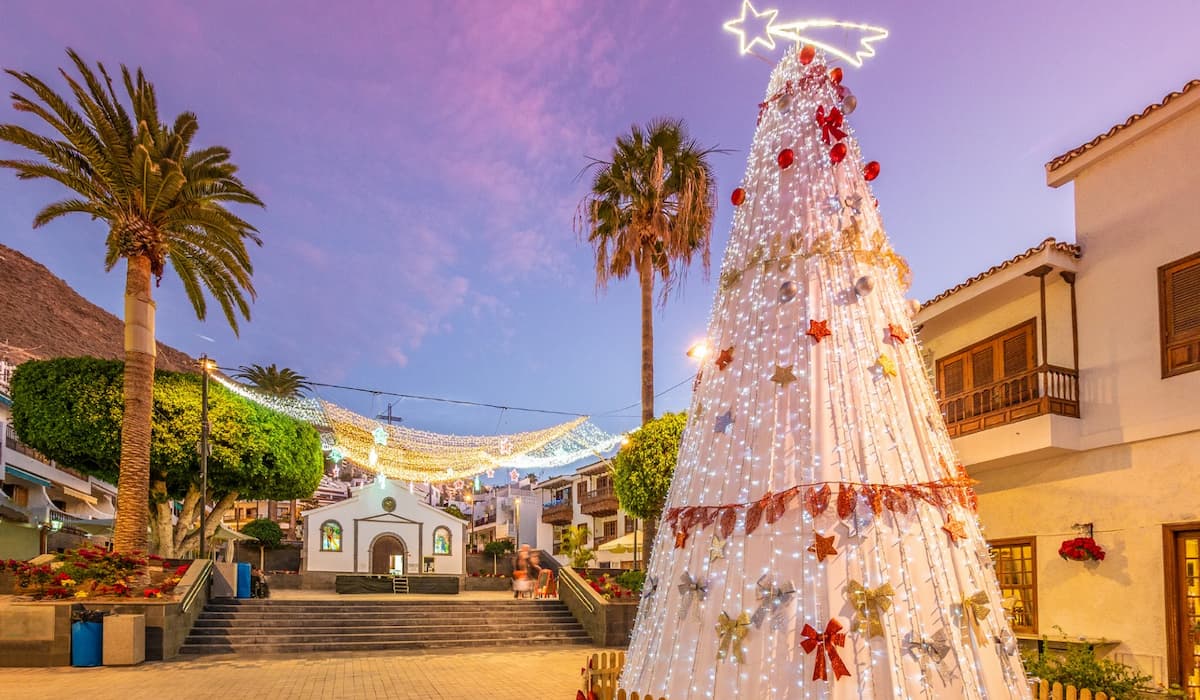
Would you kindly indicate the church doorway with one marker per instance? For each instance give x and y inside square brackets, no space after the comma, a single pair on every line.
[389,555]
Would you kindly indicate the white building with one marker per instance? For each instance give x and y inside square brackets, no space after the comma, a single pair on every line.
[383,528]
[44,507]
[1068,376]
[506,512]
[585,498]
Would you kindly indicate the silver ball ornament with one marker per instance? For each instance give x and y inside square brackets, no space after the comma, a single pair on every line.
[914,308]
[863,285]
[849,103]
[787,292]
[784,103]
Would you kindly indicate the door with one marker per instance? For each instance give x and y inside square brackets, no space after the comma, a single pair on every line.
[388,552]
[1185,604]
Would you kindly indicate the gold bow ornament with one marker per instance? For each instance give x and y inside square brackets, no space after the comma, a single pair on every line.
[731,632]
[870,604]
[972,611]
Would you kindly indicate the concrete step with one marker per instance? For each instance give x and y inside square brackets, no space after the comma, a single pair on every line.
[310,630]
[413,622]
[252,649]
[351,638]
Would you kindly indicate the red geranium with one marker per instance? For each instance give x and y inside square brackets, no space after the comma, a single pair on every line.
[1081,549]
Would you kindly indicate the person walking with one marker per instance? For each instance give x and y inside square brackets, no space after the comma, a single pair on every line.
[521,571]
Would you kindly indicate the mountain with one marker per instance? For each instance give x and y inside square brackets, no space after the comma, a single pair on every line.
[42,317]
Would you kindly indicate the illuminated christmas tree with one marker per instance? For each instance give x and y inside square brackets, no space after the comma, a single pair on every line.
[818,539]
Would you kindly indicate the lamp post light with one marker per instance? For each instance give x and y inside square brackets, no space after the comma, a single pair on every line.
[206,366]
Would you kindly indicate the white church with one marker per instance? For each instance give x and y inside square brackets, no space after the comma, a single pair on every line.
[384,529]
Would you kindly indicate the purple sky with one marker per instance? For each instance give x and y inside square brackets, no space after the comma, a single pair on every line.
[419,166]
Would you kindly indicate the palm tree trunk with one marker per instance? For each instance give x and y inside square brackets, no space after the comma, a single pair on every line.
[646,279]
[133,484]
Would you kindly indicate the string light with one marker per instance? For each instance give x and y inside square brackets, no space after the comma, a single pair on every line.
[801,31]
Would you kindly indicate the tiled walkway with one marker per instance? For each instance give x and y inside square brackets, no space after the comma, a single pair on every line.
[534,673]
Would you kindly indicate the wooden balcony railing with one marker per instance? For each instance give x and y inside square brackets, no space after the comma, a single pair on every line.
[1043,390]
[603,539]
[12,443]
[557,512]
[599,502]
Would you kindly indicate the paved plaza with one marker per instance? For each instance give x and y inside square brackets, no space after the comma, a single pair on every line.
[451,674]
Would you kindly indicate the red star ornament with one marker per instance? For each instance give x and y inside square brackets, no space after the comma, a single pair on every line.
[822,546]
[725,358]
[955,529]
[896,333]
[818,330]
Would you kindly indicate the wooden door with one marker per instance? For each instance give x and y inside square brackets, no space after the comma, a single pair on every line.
[382,550]
[1184,610]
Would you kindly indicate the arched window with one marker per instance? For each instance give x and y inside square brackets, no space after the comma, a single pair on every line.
[331,536]
[441,541]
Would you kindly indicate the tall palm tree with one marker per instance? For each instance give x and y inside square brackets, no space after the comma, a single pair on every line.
[161,201]
[284,383]
[650,212]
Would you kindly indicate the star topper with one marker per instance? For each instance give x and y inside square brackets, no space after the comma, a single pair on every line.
[764,30]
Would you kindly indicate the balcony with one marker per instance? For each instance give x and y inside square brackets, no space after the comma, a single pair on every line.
[12,443]
[600,502]
[485,519]
[1045,390]
[557,512]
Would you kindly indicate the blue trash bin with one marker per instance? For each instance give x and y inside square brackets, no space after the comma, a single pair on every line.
[87,643]
[243,580]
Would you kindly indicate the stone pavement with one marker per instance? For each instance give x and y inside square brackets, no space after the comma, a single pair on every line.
[533,673]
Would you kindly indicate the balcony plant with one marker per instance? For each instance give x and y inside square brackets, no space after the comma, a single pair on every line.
[1081,549]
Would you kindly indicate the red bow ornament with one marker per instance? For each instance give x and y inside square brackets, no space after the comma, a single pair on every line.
[825,644]
[831,124]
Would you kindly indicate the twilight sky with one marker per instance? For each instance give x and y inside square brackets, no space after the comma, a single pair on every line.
[419,165]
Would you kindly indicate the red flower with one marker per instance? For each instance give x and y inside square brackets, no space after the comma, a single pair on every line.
[1081,549]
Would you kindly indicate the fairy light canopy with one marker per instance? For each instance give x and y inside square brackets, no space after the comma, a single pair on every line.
[418,455]
[755,28]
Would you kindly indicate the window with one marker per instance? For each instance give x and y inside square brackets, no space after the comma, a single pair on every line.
[331,536]
[604,483]
[990,375]
[610,529]
[630,523]
[441,541]
[1016,568]
[1179,315]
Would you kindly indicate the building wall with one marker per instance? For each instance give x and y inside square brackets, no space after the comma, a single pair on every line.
[1128,491]
[1135,210]
[18,541]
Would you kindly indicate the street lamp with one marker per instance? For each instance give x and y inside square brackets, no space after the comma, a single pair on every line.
[471,519]
[206,365]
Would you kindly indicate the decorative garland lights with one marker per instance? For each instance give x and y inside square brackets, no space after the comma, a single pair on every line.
[815,486]
[418,455]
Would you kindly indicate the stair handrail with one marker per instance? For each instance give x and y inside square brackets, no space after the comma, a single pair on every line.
[202,578]
[576,588]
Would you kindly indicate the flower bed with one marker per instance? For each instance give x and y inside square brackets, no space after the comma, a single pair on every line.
[609,587]
[88,573]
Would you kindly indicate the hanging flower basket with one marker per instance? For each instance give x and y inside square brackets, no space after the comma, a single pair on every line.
[1081,549]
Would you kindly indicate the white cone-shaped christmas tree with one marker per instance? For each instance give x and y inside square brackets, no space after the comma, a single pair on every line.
[818,539]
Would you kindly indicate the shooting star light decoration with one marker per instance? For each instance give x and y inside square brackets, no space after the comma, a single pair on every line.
[756,28]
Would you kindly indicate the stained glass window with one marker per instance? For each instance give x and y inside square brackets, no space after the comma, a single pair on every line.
[331,536]
[441,541]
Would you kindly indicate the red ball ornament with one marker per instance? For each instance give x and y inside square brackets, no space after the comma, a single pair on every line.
[738,196]
[835,76]
[871,170]
[838,153]
[807,53]
[786,157]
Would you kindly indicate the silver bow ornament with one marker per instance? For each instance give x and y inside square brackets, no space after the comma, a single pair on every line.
[692,589]
[934,651]
[771,601]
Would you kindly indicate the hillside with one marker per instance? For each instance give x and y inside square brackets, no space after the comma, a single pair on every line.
[42,317]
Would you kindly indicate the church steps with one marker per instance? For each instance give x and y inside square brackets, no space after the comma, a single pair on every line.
[293,626]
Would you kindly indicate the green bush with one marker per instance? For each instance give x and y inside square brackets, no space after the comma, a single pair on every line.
[633,580]
[266,531]
[1080,668]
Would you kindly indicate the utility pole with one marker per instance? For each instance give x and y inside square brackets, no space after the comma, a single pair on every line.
[206,365]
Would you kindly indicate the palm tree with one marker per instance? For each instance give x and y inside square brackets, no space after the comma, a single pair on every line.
[650,211]
[284,383]
[161,201]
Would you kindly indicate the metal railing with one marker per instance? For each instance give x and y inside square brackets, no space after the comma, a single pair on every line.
[1041,390]
[567,580]
[198,585]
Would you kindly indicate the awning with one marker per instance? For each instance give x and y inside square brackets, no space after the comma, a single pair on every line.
[98,526]
[225,534]
[623,544]
[10,471]
[86,498]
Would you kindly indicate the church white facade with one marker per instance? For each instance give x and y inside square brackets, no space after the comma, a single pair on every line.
[384,529]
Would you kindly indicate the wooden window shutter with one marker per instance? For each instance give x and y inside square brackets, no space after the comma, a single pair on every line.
[982,367]
[1179,315]
[952,378]
[1016,354]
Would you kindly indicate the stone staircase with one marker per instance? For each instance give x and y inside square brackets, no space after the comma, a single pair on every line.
[254,626]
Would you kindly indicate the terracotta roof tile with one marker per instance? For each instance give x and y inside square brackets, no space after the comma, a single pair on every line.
[1050,243]
[1133,119]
